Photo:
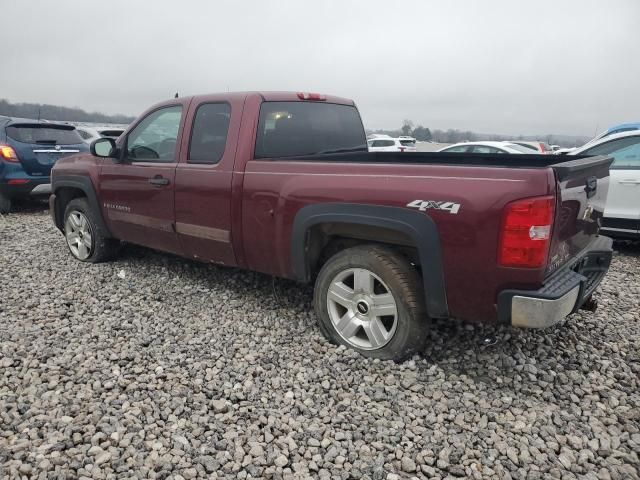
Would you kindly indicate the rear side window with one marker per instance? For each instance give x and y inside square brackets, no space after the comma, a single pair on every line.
[111,133]
[289,129]
[46,135]
[209,133]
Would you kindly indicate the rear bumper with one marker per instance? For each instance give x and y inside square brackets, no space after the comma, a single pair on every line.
[27,187]
[562,294]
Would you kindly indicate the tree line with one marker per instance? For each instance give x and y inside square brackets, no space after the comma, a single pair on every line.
[57,113]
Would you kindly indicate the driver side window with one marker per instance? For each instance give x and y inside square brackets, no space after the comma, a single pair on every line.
[155,138]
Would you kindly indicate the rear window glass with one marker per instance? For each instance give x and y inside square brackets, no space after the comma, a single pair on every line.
[288,129]
[43,135]
[408,143]
[383,143]
[521,148]
[528,146]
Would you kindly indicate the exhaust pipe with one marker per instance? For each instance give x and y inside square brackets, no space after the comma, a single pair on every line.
[590,304]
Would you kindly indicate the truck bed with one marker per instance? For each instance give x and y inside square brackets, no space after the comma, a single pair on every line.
[505,160]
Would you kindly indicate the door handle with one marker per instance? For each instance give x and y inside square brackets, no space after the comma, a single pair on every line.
[159,180]
[629,182]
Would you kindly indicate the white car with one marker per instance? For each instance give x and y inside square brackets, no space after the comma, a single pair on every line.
[390,144]
[89,134]
[536,147]
[485,147]
[622,211]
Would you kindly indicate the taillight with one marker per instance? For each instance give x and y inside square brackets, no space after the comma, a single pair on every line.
[8,154]
[311,96]
[542,149]
[526,232]
[401,149]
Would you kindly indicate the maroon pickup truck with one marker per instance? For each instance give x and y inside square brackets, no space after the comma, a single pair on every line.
[282,183]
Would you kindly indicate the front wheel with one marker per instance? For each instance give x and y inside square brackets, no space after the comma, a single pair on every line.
[87,242]
[370,298]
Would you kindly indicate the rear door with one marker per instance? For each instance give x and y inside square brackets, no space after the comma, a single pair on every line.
[203,179]
[40,145]
[622,212]
[137,191]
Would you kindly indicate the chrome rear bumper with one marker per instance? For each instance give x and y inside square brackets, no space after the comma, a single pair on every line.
[562,294]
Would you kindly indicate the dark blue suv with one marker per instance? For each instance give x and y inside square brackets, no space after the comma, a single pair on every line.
[28,150]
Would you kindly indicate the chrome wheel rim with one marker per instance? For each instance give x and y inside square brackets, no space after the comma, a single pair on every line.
[77,231]
[362,309]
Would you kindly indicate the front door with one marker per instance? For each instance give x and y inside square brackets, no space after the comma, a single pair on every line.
[137,191]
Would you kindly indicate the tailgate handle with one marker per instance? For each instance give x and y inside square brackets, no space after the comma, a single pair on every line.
[591,187]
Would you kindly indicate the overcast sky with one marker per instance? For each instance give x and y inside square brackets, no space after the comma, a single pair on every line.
[492,66]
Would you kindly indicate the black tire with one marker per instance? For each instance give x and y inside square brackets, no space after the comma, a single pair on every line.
[5,204]
[400,279]
[103,248]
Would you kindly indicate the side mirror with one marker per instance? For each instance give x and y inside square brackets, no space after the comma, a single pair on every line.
[104,148]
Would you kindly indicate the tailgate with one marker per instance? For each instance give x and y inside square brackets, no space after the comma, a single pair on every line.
[582,184]
[40,145]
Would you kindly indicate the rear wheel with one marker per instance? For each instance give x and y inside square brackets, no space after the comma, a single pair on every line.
[87,242]
[5,204]
[370,298]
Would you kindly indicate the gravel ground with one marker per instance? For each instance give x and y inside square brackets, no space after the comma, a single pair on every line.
[156,367]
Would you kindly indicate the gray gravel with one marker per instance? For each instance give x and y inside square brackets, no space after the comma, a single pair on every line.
[183,371]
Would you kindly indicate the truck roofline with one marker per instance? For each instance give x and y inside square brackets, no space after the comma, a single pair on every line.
[266,96]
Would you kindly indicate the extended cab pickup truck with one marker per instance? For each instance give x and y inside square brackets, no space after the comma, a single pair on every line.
[282,183]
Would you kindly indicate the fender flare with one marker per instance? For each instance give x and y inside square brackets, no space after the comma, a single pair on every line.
[417,225]
[84,184]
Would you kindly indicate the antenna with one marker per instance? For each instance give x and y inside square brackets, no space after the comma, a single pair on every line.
[39,108]
[176,95]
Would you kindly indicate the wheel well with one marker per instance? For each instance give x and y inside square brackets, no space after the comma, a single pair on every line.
[63,196]
[326,239]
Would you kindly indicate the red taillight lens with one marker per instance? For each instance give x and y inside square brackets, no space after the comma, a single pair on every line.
[8,154]
[526,232]
[311,96]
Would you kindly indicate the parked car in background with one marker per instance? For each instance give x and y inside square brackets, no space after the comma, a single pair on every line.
[390,144]
[622,212]
[485,147]
[564,151]
[28,150]
[89,134]
[537,147]
[282,183]
[620,128]
[407,141]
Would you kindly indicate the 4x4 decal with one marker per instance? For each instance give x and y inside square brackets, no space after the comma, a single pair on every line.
[422,205]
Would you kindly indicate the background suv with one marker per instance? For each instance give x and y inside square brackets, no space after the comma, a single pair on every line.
[28,150]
